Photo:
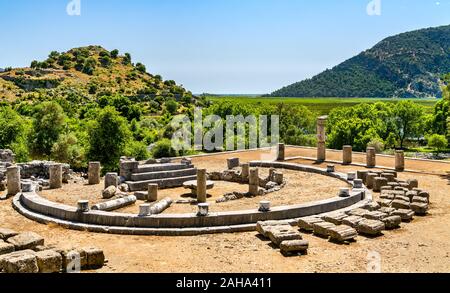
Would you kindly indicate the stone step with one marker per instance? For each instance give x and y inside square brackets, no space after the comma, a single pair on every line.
[162,183]
[163,174]
[161,167]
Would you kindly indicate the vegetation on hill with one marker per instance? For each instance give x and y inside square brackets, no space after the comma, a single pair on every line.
[408,65]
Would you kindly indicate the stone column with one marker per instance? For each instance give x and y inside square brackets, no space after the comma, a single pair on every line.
[94,173]
[201,186]
[152,192]
[281,152]
[13,180]
[321,138]
[400,161]
[245,171]
[111,179]
[254,181]
[347,155]
[371,158]
[55,172]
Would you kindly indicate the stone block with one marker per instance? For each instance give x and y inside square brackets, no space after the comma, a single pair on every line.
[306,224]
[7,233]
[27,240]
[342,233]
[387,210]
[358,212]
[109,192]
[400,204]
[264,227]
[392,222]
[19,262]
[384,202]
[389,176]
[335,218]
[280,234]
[73,259]
[370,180]
[95,257]
[6,248]
[376,215]
[294,246]
[362,174]
[232,163]
[378,183]
[352,221]
[372,206]
[405,214]
[412,183]
[418,199]
[370,227]
[49,261]
[322,229]
[419,208]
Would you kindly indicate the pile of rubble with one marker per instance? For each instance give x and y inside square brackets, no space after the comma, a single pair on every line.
[26,253]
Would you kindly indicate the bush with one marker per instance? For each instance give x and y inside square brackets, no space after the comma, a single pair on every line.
[137,150]
[114,53]
[438,142]
[164,149]
[67,150]
[171,106]
[141,67]
[377,144]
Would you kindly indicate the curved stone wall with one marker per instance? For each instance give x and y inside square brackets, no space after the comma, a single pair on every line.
[34,206]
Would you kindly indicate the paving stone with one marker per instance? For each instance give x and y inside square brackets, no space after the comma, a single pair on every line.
[419,208]
[405,214]
[19,262]
[27,240]
[352,221]
[375,215]
[358,212]
[7,233]
[370,227]
[392,222]
[6,248]
[280,234]
[335,218]
[264,227]
[49,261]
[294,246]
[306,224]
[342,233]
[322,229]
[400,204]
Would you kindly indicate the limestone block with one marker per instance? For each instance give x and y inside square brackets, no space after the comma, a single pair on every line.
[342,233]
[384,202]
[412,183]
[72,258]
[95,257]
[362,174]
[294,246]
[389,176]
[352,221]
[232,163]
[419,208]
[358,212]
[376,215]
[19,262]
[370,227]
[264,227]
[322,229]
[386,188]
[405,214]
[335,218]
[387,210]
[378,183]
[109,192]
[111,179]
[27,240]
[94,173]
[6,248]
[372,206]
[49,261]
[7,233]
[392,222]
[400,204]
[418,199]
[280,234]
[306,224]
[370,180]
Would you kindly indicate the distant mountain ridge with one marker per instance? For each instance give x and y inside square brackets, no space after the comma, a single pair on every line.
[408,65]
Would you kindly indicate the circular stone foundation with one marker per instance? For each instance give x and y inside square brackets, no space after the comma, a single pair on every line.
[303,198]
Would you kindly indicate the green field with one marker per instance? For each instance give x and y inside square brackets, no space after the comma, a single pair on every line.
[322,106]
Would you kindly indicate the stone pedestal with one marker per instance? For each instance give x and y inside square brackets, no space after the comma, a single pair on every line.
[347,154]
[55,172]
[281,152]
[111,179]
[371,158]
[400,161]
[321,139]
[152,192]
[94,173]
[254,182]
[201,186]
[13,180]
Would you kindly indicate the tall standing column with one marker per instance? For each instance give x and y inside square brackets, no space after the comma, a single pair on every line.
[371,158]
[347,153]
[400,161]
[201,186]
[94,173]
[321,138]
[254,182]
[55,173]
[13,180]
[281,152]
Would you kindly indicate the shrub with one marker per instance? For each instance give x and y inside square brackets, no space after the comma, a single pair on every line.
[171,106]
[137,150]
[438,142]
[376,143]
[67,150]
[141,67]
[114,53]
[164,149]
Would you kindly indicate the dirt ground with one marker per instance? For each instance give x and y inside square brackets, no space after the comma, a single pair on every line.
[419,246]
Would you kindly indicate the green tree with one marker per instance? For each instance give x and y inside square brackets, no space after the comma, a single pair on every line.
[171,106]
[108,137]
[438,142]
[114,53]
[141,67]
[164,149]
[13,133]
[409,118]
[127,59]
[89,66]
[67,150]
[48,124]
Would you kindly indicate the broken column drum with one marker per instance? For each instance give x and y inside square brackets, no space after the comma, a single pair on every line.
[55,172]
[13,180]
[400,161]
[371,158]
[347,155]
[94,173]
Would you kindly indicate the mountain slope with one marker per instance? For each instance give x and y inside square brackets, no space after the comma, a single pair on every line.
[87,73]
[406,65]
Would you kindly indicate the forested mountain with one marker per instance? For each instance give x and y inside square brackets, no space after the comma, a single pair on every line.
[406,65]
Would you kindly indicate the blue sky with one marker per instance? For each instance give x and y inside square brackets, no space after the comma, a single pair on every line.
[216,46]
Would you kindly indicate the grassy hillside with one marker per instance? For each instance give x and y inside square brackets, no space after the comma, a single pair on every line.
[406,65]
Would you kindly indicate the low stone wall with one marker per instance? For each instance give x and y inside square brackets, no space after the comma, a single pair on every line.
[39,169]
[32,203]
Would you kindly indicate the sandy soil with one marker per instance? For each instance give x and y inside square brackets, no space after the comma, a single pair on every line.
[420,246]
